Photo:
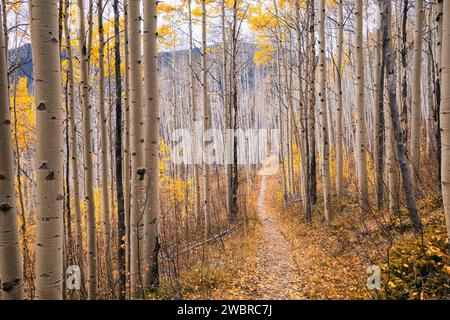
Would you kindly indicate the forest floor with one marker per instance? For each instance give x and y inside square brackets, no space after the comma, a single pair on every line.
[276,255]
[277,276]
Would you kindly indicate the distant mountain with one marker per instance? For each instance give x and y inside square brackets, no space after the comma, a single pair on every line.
[24,59]
[21,62]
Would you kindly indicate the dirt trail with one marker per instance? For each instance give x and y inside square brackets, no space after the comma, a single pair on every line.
[278,276]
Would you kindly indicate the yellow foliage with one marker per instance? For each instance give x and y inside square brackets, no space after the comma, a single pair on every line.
[197,12]
[164,7]
[26,118]
[167,35]
[260,20]
[264,54]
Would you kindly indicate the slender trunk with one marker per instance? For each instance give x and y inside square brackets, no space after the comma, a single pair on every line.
[126,148]
[206,127]
[312,106]
[234,116]
[137,145]
[395,117]
[437,89]
[5,29]
[151,94]
[11,268]
[361,114]
[88,164]
[392,166]
[404,69]
[194,116]
[339,120]
[104,146]
[226,108]
[445,113]
[280,124]
[50,150]
[302,143]
[416,88]
[74,149]
[118,157]
[324,117]
[378,102]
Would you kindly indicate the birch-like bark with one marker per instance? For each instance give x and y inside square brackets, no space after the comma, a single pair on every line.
[312,105]
[104,144]
[339,119]
[226,106]
[445,113]
[324,117]
[437,87]
[151,96]
[194,116]
[395,118]
[303,122]
[50,150]
[87,153]
[11,267]
[137,145]
[206,126]
[363,187]
[127,144]
[121,233]
[416,90]
[74,148]
[378,114]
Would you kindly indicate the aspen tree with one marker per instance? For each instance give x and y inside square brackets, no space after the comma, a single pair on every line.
[126,142]
[445,113]
[303,119]
[88,163]
[226,107]
[152,146]
[206,126]
[312,103]
[104,143]
[416,91]
[392,166]
[50,151]
[11,267]
[324,117]
[234,115]
[121,232]
[378,112]
[339,119]
[194,114]
[391,156]
[437,90]
[74,146]
[361,115]
[137,145]
[395,118]
[5,28]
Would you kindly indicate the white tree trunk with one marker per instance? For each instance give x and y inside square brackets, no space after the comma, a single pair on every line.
[206,126]
[324,117]
[151,96]
[137,145]
[11,268]
[50,150]
[104,145]
[445,113]
[416,90]
[361,115]
[88,163]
